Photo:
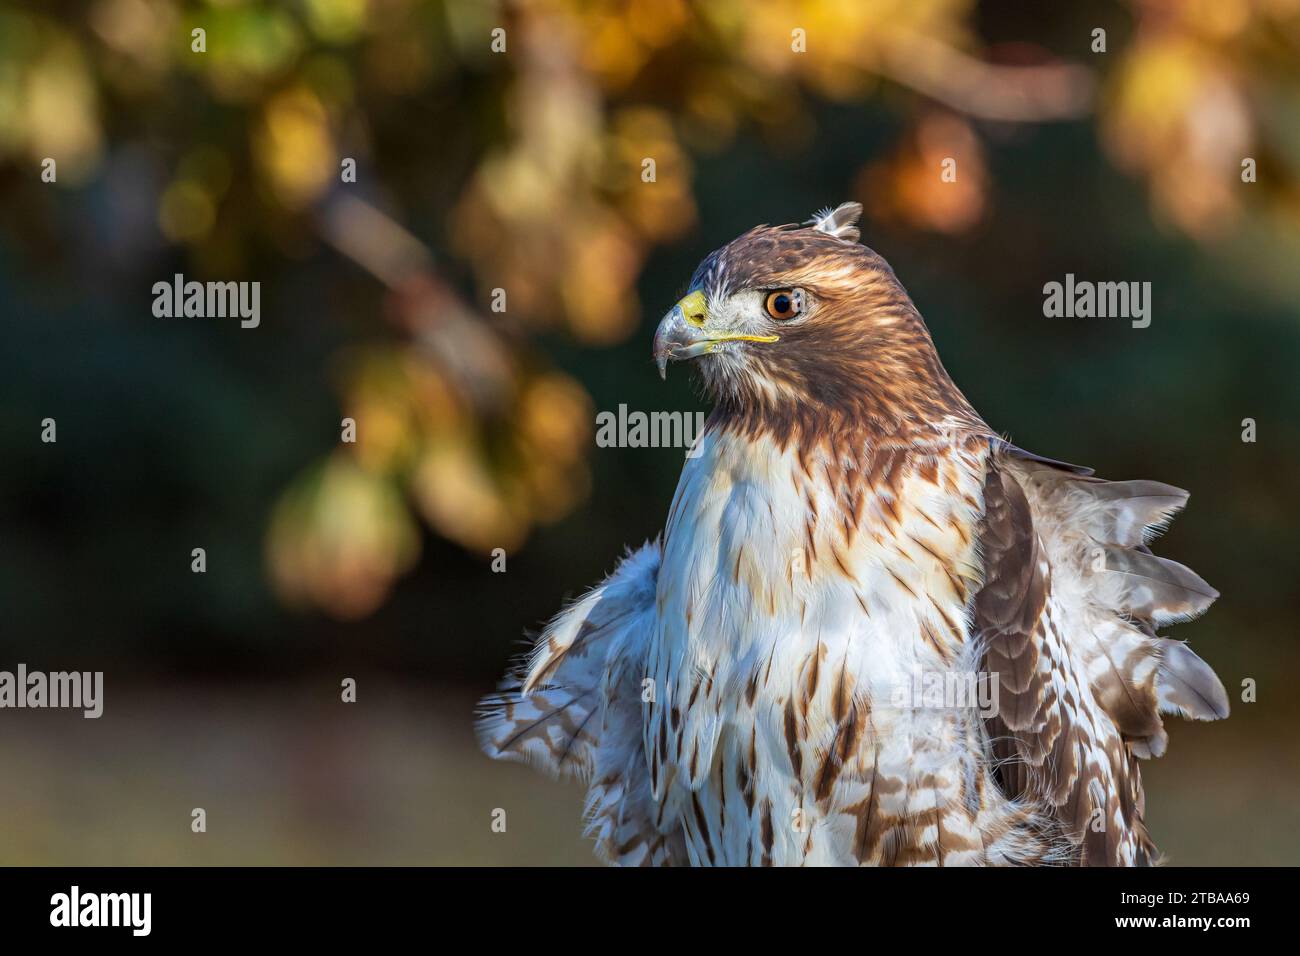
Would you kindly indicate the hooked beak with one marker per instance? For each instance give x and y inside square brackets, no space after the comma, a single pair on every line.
[681,334]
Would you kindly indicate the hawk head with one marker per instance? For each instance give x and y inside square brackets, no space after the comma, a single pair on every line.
[795,326]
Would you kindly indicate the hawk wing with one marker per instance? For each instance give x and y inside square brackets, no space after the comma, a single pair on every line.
[574,709]
[1067,612]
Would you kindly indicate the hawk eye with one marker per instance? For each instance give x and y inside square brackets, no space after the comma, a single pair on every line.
[784,304]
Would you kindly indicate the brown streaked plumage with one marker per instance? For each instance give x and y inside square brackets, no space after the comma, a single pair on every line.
[757,687]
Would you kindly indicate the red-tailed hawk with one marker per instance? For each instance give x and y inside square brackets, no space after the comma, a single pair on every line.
[874,631]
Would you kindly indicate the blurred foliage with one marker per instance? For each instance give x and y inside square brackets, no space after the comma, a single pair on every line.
[521,170]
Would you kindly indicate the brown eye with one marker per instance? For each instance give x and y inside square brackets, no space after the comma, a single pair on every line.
[784,304]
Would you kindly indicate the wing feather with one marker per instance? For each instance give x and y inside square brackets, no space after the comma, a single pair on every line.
[1067,613]
[574,709]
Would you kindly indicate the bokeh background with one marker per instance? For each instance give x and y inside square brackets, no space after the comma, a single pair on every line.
[521,170]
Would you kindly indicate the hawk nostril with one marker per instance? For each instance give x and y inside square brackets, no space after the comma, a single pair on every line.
[696,319]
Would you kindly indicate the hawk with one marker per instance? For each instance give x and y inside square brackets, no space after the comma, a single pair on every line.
[848,530]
